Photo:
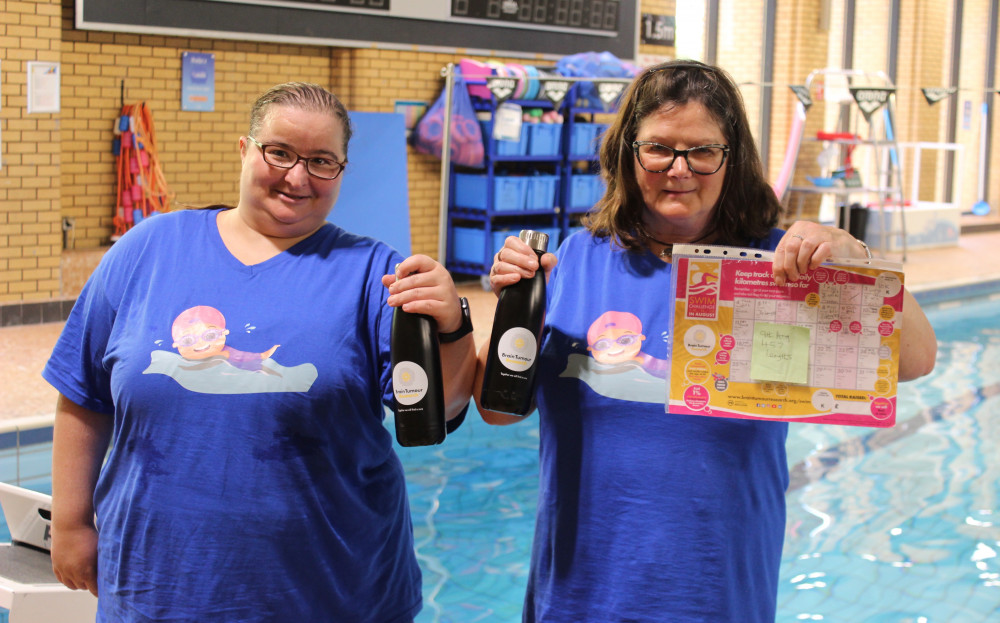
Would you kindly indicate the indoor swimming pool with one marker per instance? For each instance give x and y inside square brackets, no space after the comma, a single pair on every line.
[897,525]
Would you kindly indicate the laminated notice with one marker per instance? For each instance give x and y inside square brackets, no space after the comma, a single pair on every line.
[822,349]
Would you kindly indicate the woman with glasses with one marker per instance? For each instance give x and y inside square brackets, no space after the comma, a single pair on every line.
[643,515]
[239,361]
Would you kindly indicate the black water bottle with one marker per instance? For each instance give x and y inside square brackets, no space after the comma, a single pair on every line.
[416,380]
[509,380]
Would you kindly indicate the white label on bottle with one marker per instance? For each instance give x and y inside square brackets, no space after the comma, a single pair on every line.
[409,382]
[517,349]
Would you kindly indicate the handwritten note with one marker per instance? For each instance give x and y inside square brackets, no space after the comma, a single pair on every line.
[780,353]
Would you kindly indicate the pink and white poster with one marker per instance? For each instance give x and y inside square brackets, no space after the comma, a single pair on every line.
[824,349]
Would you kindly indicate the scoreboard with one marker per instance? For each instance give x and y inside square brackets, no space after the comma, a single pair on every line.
[520,27]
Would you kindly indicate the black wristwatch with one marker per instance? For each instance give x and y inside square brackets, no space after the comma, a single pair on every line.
[464,329]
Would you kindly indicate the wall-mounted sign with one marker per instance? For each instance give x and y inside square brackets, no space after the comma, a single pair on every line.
[43,87]
[198,81]
[412,111]
[657,29]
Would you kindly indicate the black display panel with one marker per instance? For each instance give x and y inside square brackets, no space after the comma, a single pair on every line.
[515,27]
[357,4]
[598,15]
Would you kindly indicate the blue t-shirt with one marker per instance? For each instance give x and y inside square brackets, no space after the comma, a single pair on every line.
[245,482]
[643,515]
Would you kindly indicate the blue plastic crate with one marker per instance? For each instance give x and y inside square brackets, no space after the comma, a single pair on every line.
[581,138]
[468,244]
[584,191]
[585,139]
[543,138]
[470,191]
[597,188]
[513,148]
[506,148]
[499,236]
[508,192]
[541,192]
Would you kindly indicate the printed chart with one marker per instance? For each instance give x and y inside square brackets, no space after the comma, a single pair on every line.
[823,349]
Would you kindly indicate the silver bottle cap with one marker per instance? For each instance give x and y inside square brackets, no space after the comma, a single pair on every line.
[535,239]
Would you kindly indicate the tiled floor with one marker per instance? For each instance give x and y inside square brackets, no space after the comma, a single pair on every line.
[24,349]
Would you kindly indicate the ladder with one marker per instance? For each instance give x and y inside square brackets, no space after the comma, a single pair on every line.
[866,116]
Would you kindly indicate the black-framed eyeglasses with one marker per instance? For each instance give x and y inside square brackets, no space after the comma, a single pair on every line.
[658,158]
[316,166]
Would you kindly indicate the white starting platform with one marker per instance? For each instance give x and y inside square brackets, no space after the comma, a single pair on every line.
[29,589]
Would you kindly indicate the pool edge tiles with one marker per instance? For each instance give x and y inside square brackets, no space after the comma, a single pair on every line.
[945,292]
[25,437]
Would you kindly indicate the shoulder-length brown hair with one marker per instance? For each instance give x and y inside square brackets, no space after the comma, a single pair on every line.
[747,206]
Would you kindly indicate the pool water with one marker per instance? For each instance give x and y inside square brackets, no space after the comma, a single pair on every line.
[898,525]
[894,525]
[904,524]
[473,502]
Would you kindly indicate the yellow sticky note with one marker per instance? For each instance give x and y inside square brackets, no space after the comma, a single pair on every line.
[780,353]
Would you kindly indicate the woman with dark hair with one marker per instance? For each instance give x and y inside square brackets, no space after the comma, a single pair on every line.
[237,362]
[645,515]
[620,212]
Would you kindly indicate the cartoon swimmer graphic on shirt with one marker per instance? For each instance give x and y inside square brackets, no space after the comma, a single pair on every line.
[616,337]
[200,333]
[205,363]
[617,367]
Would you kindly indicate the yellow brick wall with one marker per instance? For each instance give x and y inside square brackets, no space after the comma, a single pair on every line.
[30,227]
[799,48]
[925,30]
[740,51]
[60,165]
[972,84]
[197,150]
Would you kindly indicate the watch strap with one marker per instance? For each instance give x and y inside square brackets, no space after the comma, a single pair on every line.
[464,329]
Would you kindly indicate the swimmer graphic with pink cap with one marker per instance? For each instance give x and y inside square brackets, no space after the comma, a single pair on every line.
[616,337]
[200,332]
